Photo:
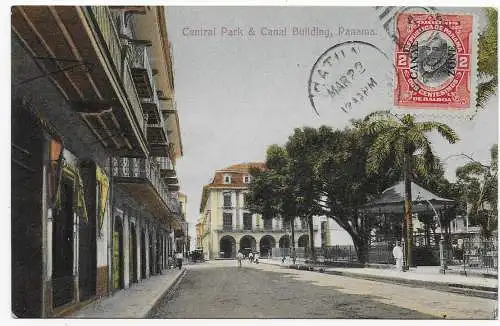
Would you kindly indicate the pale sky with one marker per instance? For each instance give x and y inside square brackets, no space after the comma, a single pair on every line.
[236,95]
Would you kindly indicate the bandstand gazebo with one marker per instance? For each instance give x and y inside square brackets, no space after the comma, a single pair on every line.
[392,201]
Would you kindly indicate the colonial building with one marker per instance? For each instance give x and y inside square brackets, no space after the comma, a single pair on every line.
[95,137]
[226,226]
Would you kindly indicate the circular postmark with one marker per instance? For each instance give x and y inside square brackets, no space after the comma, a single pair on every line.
[351,78]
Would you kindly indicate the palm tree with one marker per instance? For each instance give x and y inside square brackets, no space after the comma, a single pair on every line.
[487,59]
[404,142]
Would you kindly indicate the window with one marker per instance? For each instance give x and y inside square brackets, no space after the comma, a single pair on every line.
[227,199]
[268,224]
[227,221]
[227,178]
[246,179]
[247,221]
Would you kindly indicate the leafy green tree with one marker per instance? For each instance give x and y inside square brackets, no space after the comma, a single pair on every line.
[272,190]
[403,141]
[304,148]
[487,62]
[480,189]
[346,186]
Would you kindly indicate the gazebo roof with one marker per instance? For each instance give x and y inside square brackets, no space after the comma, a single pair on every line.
[392,200]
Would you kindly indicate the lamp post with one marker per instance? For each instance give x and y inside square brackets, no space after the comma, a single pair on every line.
[442,260]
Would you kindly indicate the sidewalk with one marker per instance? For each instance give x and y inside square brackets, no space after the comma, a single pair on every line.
[134,302]
[425,276]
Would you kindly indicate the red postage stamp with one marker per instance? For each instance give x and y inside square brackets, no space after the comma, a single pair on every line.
[434,61]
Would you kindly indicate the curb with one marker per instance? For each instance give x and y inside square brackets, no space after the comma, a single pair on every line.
[164,294]
[469,290]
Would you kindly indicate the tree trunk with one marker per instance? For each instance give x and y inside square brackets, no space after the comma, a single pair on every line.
[361,249]
[311,237]
[408,212]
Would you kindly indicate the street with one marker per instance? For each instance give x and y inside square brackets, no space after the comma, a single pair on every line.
[222,290]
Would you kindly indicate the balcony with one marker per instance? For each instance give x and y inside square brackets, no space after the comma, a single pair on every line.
[157,137]
[151,104]
[102,19]
[167,169]
[141,69]
[141,179]
[78,49]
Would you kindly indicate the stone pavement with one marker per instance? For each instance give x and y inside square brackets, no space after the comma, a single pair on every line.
[134,302]
[269,291]
[421,276]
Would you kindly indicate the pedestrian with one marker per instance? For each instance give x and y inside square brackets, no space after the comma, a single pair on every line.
[397,252]
[239,257]
[179,258]
[250,257]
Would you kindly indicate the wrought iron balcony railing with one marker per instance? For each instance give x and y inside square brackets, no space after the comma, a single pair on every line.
[146,170]
[142,70]
[164,163]
[104,21]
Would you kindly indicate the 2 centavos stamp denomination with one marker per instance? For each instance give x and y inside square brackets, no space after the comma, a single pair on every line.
[434,61]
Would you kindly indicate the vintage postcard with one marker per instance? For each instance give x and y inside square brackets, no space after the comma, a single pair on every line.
[254,162]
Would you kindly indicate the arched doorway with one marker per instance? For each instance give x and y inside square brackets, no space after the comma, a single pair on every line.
[266,244]
[247,243]
[284,242]
[143,254]
[227,246]
[133,254]
[303,241]
[118,282]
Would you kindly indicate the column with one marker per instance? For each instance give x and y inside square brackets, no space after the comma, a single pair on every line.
[126,251]
[146,250]
[138,247]
[153,263]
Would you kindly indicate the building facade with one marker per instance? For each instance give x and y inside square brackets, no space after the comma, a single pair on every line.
[226,226]
[95,136]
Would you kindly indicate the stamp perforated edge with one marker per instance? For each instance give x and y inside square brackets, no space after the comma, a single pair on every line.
[452,113]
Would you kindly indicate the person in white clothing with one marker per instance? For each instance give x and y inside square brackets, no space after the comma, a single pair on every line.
[239,256]
[250,257]
[397,252]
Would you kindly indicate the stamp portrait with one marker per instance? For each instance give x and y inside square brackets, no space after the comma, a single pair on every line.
[434,64]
